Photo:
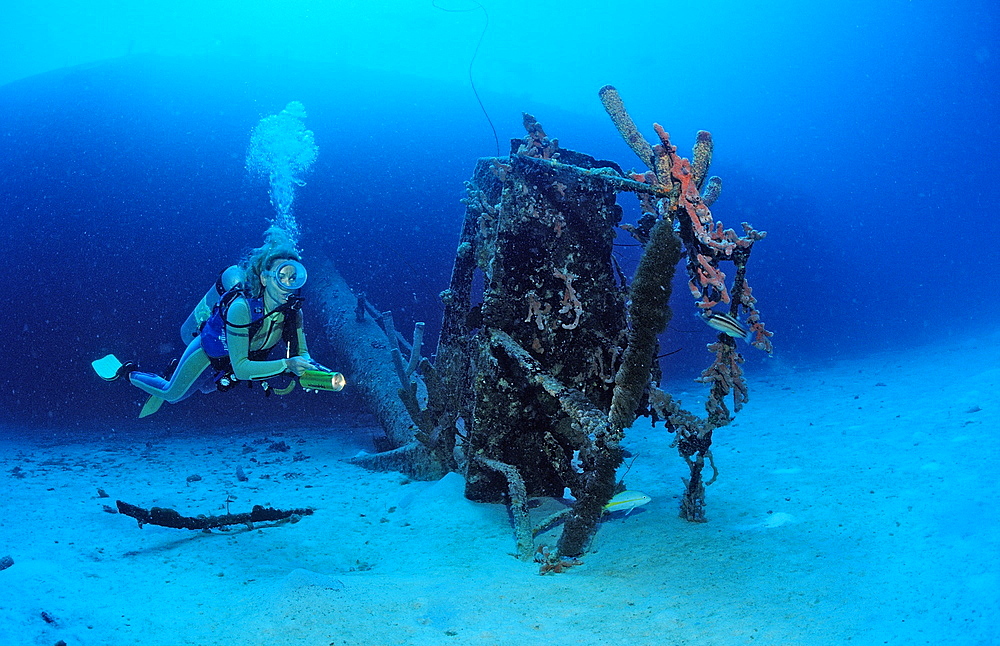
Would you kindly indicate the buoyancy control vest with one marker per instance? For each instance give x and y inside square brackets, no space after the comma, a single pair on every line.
[213,332]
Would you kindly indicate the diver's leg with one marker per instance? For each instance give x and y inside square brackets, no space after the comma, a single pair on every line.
[192,364]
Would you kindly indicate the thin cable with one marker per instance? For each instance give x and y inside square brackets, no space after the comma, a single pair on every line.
[472,60]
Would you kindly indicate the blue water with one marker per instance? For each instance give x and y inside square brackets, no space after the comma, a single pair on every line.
[862,138]
[862,135]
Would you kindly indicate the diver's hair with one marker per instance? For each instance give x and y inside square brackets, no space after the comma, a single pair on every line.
[278,245]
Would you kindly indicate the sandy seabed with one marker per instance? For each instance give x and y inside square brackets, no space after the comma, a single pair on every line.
[856,503]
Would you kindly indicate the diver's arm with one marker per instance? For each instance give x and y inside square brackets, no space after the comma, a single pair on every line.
[301,340]
[304,349]
[239,346]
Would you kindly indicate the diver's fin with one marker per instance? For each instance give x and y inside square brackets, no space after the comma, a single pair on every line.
[107,367]
[151,406]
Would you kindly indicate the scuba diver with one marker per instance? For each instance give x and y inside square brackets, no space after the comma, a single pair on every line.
[250,309]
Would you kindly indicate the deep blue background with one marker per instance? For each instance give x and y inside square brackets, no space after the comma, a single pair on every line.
[123,192]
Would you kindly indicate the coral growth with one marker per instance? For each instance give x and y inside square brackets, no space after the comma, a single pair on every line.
[536,144]
[683,195]
[570,302]
[724,376]
[549,561]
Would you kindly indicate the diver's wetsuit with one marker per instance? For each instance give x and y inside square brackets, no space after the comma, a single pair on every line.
[194,370]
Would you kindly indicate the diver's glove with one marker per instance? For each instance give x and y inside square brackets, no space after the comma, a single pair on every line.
[321,367]
[297,365]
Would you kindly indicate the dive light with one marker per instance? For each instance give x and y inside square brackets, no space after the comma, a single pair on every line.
[320,380]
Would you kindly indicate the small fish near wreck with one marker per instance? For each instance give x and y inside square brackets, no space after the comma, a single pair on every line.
[626,501]
[726,324]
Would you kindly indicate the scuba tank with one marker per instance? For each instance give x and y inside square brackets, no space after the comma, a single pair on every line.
[229,278]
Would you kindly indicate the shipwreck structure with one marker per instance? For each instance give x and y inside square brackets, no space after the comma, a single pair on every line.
[547,351]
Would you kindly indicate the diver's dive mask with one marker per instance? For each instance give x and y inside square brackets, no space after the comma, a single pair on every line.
[288,275]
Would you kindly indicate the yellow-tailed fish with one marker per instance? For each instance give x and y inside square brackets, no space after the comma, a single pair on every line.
[626,501]
[725,323]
